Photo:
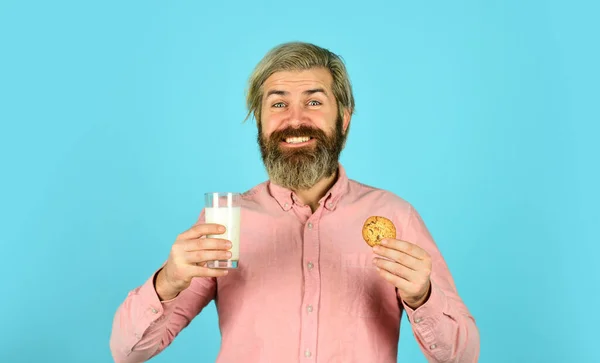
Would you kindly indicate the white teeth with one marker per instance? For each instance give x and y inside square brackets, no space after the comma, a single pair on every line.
[296,140]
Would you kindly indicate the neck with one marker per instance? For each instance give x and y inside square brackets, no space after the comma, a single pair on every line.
[312,196]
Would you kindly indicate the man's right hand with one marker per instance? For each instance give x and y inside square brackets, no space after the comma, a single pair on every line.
[188,258]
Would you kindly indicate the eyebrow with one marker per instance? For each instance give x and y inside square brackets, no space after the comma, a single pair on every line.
[307,92]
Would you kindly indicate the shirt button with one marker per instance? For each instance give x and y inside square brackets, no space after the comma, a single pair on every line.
[286,205]
[433,346]
[310,265]
[330,204]
[418,320]
[309,308]
[154,311]
[307,353]
[309,225]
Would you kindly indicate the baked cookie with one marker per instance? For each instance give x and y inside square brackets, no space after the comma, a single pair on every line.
[377,228]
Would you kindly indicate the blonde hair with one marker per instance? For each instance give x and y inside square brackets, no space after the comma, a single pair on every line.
[298,56]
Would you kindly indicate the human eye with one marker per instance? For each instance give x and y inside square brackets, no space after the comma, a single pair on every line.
[314,103]
[278,105]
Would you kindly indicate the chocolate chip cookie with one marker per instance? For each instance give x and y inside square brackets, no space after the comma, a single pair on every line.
[377,228]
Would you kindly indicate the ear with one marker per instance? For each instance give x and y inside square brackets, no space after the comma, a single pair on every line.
[346,122]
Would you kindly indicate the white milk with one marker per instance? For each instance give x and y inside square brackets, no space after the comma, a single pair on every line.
[230,218]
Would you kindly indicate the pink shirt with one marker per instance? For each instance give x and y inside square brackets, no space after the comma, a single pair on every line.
[306,289]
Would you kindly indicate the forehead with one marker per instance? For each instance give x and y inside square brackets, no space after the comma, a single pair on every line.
[290,80]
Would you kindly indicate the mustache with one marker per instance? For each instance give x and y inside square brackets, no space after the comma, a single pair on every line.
[312,132]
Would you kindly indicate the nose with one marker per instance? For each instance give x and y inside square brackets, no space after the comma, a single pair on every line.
[297,116]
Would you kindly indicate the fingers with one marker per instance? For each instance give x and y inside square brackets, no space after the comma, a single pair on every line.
[400,283]
[410,283]
[410,249]
[200,244]
[398,256]
[202,229]
[396,269]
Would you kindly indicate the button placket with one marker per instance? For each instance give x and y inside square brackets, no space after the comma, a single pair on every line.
[312,287]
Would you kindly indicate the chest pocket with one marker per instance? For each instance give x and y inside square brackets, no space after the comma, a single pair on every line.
[361,286]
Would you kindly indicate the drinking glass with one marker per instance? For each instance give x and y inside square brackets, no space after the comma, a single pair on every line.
[224,208]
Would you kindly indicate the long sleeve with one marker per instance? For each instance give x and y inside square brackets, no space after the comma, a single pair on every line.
[143,326]
[443,326]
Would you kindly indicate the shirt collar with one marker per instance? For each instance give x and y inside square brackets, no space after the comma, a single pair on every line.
[286,197]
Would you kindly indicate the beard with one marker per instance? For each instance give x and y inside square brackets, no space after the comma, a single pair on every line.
[300,168]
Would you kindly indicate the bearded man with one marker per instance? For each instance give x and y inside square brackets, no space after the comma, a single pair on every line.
[308,288]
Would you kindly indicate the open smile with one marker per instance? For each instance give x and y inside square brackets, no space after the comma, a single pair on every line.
[297,141]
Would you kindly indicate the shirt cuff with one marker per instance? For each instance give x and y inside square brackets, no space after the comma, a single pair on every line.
[431,325]
[426,317]
[152,309]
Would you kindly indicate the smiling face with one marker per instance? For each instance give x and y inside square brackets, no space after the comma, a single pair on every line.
[301,134]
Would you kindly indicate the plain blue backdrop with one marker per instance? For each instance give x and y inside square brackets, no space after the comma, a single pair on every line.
[483,114]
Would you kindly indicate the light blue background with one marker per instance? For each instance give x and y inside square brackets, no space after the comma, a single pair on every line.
[483,114]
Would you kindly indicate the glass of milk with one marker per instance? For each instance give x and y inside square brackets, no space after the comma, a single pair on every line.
[224,209]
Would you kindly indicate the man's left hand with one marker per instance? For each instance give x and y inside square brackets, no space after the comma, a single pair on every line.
[408,267]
